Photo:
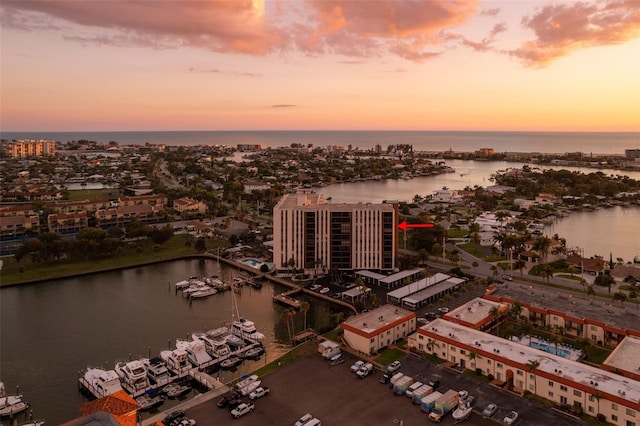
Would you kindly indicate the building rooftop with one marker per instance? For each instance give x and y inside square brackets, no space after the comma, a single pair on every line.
[474,311]
[589,376]
[400,275]
[378,318]
[417,286]
[625,356]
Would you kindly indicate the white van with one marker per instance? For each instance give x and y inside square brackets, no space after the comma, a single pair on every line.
[304,420]
[313,422]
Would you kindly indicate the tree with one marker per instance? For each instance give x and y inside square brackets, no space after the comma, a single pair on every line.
[541,245]
[547,272]
[591,291]
[520,265]
[472,355]
[475,265]
[304,308]
[620,296]
[431,345]
[532,365]
[494,271]
[201,245]
[287,316]
[605,280]
[515,310]
[633,295]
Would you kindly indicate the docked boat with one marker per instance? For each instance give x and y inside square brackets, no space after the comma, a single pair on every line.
[254,283]
[254,352]
[133,375]
[7,400]
[246,390]
[157,371]
[230,362]
[149,401]
[215,346]
[186,283]
[12,409]
[176,361]
[245,382]
[100,382]
[196,351]
[244,328]
[205,292]
[175,390]
[195,287]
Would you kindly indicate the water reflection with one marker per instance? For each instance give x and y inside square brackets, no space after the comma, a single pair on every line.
[52,330]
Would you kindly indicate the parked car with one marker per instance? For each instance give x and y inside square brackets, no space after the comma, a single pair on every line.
[489,410]
[259,392]
[315,287]
[507,277]
[172,417]
[303,420]
[463,394]
[356,366]
[511,418]
[422,321]
[394,366]
[349,285]
[443,310]
[325,290]
[242,409]
[186,422]
[434,383]
[365,370]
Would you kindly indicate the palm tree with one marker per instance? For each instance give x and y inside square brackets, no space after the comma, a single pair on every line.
[547,272]
[304,308]
[472,355]
[431,344]
[494,271]
[541,245]
[520,265]
[494,312]
[591,291]
[620,296]
[555,339]
[633,295]
[287,316]
[605,281]
[515,310]
[532,365]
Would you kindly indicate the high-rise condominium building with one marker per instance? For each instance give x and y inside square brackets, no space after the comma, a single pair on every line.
[311,234]
[30,148]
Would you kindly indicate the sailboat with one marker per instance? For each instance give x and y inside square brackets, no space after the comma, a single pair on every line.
[243,327]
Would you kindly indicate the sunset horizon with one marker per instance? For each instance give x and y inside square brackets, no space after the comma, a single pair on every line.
[314,65]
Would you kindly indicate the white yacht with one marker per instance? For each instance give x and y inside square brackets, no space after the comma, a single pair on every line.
[225,334]
[215,346]
[205,292]
[176,360]
[246,329]
[157,371]
[101,382]
[133,375]
[195,287]
[196,351]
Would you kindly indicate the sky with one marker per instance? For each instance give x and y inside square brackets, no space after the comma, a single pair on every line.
[97,65]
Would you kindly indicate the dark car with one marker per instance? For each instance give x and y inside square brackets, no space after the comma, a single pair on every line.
[222,402]
[172,417]
[434,384]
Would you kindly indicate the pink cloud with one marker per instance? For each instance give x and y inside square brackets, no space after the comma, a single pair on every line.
[370,28]
[221,25]
[563,28]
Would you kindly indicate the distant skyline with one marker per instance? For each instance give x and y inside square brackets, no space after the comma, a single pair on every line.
[318,64]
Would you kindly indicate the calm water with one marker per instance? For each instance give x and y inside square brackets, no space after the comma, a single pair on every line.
[600,232]
[52,330]
[546,142]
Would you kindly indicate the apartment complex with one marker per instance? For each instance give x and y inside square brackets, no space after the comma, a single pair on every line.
[374,330]
[311,234]
[30,148]
[610,392]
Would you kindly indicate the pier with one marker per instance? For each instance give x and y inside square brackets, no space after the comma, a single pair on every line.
[286,299]
[303,336]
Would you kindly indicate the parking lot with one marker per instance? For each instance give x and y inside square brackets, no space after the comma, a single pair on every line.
[337,397]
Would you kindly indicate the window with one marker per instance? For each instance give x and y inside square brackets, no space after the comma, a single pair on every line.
[463,352]
[577,392]
[550,384]
[591,398]
[614,407]
[614,417]
[519,373]
[372,340]
[563,388]
[453,349]
[499,365]
[550,394]
[563,400]
[631,412]
[590,409]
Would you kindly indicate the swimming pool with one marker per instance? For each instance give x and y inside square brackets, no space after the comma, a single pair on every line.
[551,349]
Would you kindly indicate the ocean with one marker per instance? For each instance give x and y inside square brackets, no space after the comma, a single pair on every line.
[610,143]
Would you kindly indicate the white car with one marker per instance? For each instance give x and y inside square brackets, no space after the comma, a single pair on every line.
[511,418]
[393,367]
[355,367]
[303,420]
[507,277]
[242,409]
[443,310]
[259,392]
[325,290]
[365,370]
[315,287]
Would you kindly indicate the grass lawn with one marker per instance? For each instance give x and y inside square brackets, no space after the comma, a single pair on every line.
[569,277]
[389,355]
[333,334]
[457,233]
[300,351]
[11,270]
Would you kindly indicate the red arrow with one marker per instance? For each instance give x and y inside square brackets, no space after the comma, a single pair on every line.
[404,225]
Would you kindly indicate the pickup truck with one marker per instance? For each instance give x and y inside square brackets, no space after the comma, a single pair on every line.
[365,370]
[259,392]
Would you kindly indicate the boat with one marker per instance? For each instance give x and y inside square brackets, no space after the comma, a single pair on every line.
[230,362]
[245,382]
[461,412]
[196,351]
[244,328]
[255,283]
[205,292]
[254,352]
[11,409]
[7,400]
[33,423]
[195,287]
[101,382]
[157,371]
[246,390]
[176,360]
[175,390]
[133,375]
[149,401]
[215,346]
[186,283]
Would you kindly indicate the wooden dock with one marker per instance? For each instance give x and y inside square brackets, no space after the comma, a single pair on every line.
[286,300]
[303,336]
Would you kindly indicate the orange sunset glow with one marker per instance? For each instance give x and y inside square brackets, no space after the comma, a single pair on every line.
[319,64]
